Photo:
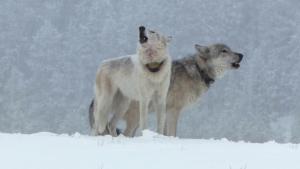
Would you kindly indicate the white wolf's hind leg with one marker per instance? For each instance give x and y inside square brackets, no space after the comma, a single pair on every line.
[104,96]
[101,115]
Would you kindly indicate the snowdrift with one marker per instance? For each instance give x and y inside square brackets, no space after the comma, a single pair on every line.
[52,151]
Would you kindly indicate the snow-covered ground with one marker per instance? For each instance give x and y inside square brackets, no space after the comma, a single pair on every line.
[51,151]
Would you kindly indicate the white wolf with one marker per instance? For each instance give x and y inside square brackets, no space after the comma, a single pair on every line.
[143,77]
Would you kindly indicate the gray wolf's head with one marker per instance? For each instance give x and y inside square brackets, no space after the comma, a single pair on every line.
[152,49]
[219,58]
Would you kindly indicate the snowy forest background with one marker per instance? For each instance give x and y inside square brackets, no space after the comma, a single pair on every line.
[50,50]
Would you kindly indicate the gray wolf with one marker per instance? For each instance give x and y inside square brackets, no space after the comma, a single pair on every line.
[143,77]
[191,77]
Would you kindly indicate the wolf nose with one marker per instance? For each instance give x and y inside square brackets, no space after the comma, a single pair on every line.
[142,28]
[240,56]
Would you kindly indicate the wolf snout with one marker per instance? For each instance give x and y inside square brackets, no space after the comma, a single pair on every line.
[151,53]
[143,37]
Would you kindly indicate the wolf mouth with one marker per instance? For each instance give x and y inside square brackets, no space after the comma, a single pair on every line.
[235,65]
[154,66]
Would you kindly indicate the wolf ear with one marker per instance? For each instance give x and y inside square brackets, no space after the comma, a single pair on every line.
[203,50]
[167,39]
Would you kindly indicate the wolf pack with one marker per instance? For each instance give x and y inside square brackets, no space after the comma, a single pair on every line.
[129,88]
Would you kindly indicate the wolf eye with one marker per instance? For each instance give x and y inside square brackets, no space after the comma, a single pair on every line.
[224,51]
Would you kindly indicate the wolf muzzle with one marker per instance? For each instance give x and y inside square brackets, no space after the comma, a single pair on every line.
[143,37]
[236,64]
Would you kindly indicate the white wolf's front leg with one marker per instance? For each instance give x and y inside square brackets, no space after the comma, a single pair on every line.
[160,106]
[144,103]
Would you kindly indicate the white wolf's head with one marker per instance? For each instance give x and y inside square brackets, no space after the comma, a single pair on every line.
[152,49]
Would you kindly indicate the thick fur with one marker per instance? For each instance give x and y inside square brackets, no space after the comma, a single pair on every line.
[122,80]
[191,77]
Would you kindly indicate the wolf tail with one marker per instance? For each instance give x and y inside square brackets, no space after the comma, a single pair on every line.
[92,119]
[91,114]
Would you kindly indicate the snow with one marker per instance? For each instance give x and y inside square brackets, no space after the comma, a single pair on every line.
[52,151]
